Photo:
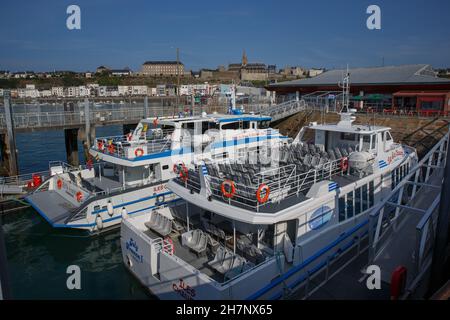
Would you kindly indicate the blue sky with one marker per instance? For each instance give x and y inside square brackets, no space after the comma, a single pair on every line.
[210,33]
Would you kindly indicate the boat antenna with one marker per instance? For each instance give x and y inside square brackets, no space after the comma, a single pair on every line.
[345,85]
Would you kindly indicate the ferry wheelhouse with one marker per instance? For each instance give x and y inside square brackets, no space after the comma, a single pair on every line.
[246,224]
[131,172]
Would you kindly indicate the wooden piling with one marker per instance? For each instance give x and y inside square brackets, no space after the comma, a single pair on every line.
[10,151]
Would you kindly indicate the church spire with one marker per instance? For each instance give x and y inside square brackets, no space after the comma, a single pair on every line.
[244,59]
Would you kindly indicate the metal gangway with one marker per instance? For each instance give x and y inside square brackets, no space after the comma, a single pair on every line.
[400,230]
[285,109]
[402,227]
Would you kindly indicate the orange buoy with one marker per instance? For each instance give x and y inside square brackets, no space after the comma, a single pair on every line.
[232,189]
[262,188]
[139,152]
[79,196]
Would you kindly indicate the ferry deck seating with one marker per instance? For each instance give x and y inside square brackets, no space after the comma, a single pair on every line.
[160,224]
[195,240]
[229,264]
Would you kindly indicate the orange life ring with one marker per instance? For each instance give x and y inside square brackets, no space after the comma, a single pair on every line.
[100,145]
[225,192]
[175,168]
[344,164]
[139,152]
[79,196]
[59,183]
[111,148]
[184,174]
[155,122]
[261,188]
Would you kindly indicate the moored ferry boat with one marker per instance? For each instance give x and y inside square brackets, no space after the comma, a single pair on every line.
[247,225]
[131,172]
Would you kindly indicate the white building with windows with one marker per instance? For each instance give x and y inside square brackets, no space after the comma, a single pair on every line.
[58,91]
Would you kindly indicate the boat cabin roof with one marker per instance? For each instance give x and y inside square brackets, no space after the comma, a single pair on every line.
[216,118]
[359,129]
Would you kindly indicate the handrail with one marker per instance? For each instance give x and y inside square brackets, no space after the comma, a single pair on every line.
[307,262]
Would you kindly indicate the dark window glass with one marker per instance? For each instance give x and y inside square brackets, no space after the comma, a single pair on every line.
[341,208]
[371,193]
[350,204]
[365,195]
[165,167]
[357,201]
[348,136]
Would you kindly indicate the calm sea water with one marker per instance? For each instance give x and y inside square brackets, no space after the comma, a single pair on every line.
[38,255]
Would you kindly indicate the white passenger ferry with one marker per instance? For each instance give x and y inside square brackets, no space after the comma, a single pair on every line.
[132,171]
[252,230]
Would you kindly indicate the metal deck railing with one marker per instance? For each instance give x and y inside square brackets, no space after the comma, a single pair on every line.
[283,183]
[412,210]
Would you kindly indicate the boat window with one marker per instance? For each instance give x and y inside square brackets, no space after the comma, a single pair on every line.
[374,142]
[357,201]
[237,125]
[188,125]
[341,208]
[348,136]
[365,195]
[264,124]
[350,204]
[213,125]
[165,167]
[388,136]
[366,142]
[371,193]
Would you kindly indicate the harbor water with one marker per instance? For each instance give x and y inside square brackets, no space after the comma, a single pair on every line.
[39,255]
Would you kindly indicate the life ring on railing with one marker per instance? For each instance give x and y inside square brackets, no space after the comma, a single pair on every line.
[184,173]
[100,145]
[111,148]
[79,196]
[175,168]
[59,183]
[139,152]
[263,188]
[344,164]
[168,246]
[160,199]
[228,193]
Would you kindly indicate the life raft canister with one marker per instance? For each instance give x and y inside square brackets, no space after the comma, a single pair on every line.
[79,196]
[344,164]
[59,183]
[231,186]
[139,152]
[262,189]
[398,282]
